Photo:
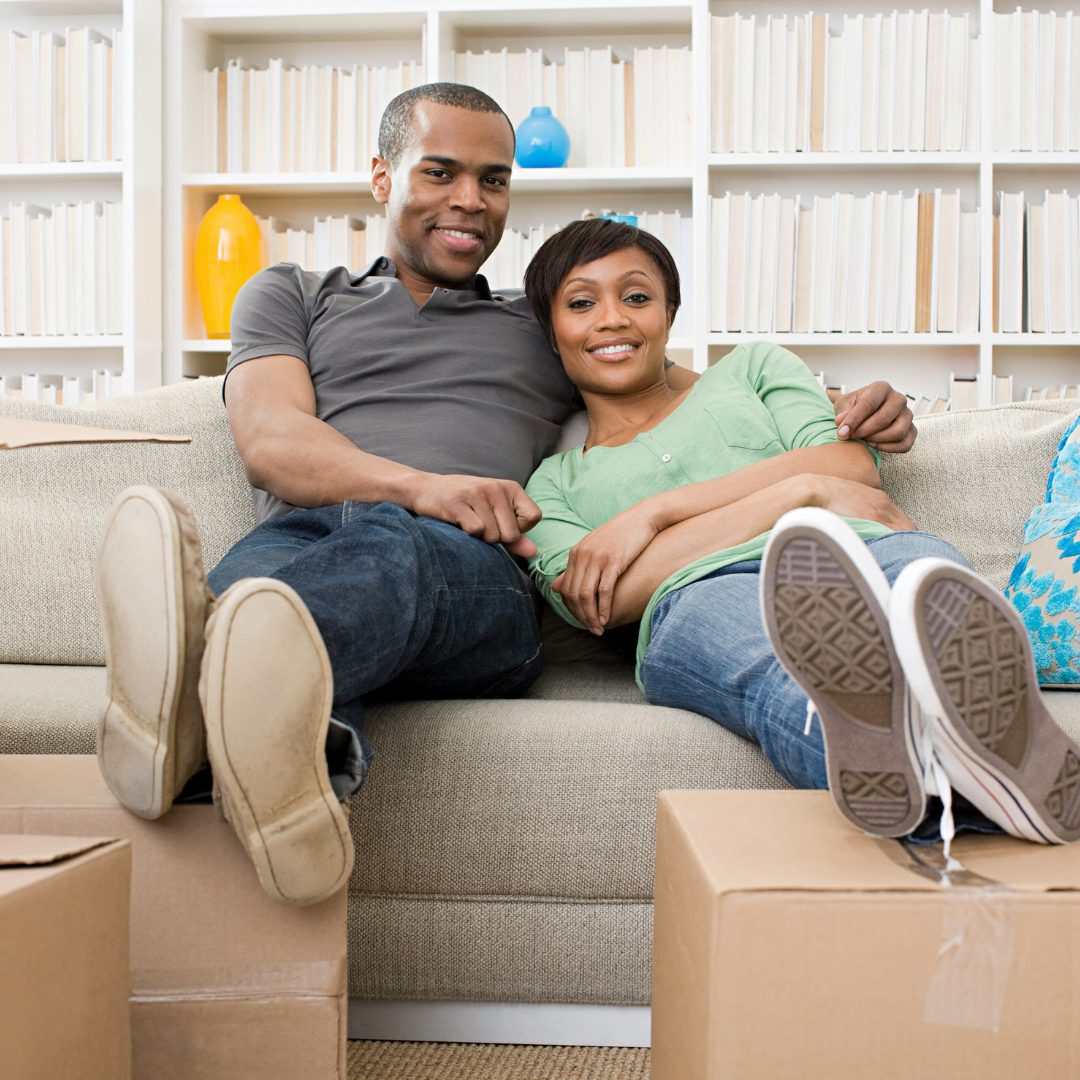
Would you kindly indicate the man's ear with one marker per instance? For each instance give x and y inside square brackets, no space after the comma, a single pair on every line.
[381,179]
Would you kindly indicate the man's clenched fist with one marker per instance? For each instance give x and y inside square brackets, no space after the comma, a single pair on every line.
[495,511]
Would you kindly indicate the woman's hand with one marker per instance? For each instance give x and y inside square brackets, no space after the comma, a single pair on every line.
[848,498]
[596,563]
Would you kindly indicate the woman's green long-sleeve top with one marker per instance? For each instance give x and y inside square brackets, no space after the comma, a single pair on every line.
[757,402]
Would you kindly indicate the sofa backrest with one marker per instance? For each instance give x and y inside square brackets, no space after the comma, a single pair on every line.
[972,478]
[54,501]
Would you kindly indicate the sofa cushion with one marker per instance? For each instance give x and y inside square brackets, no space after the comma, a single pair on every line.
[973,477]
[1046,579]
[54,501]
[47,709]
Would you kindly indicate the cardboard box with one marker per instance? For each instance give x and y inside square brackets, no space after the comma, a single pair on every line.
[64,958]
[226,984]
[789,945]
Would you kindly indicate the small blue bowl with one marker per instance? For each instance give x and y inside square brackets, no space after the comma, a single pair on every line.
[542,141]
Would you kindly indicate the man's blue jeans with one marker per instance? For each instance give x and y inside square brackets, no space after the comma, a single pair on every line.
[709,654]
[407,607]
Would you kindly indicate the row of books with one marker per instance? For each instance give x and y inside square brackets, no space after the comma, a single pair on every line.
[905,81]
[61,269]
[1037,264]
[306,119]
[1036,80]
[964,394]
[61,96]
[879,263]
[505,268]
[618,112]
[61,389]
[333,241]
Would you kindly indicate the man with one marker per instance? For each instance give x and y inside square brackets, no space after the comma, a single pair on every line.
[388,421]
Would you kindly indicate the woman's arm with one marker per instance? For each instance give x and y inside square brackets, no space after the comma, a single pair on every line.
[628,593]
[597,561]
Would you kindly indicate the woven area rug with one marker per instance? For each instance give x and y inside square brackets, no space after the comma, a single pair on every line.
[480,1061]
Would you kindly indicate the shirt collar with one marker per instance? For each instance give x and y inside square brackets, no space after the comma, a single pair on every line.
[384,267]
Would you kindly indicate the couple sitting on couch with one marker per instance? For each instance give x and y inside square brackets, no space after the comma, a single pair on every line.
[389,420]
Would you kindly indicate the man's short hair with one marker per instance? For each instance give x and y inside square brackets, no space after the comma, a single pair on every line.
[395,131]
[583,242]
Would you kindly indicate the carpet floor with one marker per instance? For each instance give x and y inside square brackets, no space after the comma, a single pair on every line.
[480,1061]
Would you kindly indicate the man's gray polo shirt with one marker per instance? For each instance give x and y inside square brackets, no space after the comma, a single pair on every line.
[465,384]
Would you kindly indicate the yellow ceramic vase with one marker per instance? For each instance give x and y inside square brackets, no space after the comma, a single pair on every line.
[228,250]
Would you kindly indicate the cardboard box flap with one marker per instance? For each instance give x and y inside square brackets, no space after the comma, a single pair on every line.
[1020,865]
[17,433]
[22,851]
[815,849]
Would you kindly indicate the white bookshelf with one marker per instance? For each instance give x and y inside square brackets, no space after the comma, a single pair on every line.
[201,36]
[135,180]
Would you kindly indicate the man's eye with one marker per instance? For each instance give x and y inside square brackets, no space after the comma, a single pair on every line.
[438,173]
[495,181]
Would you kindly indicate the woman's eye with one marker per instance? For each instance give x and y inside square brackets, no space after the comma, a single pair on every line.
[638,298]
[579,304]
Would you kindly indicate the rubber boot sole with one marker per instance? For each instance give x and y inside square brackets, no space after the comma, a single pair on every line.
[152,605]
[267,690]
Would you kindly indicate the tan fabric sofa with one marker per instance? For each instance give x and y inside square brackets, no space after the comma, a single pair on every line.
[504,848]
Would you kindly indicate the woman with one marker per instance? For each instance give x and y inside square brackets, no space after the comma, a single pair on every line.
[664,514]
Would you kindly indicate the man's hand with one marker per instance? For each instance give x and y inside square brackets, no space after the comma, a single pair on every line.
[878,415]
[495,511]
[597,562]
[850,499]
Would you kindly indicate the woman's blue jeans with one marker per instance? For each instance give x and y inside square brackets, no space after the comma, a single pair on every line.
[709,654]
[408,607]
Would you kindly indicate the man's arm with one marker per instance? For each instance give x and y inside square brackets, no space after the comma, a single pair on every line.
[876,414]
[289,452]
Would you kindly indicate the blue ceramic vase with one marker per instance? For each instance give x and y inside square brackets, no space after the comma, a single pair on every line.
[542,142]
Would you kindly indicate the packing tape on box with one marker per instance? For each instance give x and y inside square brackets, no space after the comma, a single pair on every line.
[967,986]
[308,979]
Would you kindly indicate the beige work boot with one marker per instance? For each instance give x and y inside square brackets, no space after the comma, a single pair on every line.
[266,691]
[152,603]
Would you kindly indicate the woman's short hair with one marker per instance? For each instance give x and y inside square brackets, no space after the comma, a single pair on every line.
[584,242]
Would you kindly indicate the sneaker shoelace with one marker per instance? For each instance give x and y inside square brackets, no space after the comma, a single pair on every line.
[934,780]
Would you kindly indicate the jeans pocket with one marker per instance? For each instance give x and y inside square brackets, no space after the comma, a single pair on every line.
[353,508]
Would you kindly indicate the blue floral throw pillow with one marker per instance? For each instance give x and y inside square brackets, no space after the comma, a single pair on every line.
[1045,583]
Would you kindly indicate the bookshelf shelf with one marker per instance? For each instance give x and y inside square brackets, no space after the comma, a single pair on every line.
[887,159]
[74,170]
[207,345]
[865,341]
[198,36]
[291,183]
[555,181]
[106,341]
[132,29]
[1037,340]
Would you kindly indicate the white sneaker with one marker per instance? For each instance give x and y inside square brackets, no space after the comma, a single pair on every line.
[824,603]
[266,691]
[969,661]
[152,603]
